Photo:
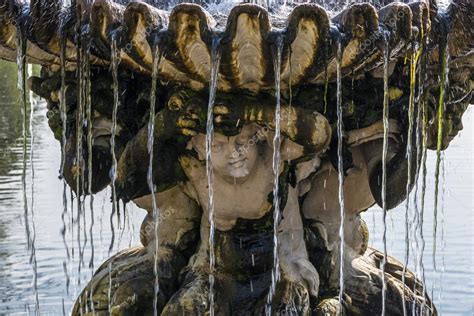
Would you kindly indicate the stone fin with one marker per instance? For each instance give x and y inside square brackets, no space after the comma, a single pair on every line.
[421,18]
[141,22]
[357,28]
[190,40]
[306,45]
[105,17]
[246,54]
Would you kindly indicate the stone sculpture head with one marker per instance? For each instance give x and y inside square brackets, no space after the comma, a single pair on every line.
[233,156]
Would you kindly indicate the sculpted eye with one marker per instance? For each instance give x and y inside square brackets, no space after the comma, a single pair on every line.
[241,140]
[216,147]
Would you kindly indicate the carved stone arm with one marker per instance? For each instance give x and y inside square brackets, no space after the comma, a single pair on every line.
[305,127]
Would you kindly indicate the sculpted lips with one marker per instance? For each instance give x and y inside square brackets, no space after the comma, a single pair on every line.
[237,163]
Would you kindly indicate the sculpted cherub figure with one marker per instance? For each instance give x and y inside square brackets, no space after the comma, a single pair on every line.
[243,180]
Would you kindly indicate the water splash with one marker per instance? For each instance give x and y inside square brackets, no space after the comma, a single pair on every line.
[215,63]
[384,164]
[151,131]
[340,167]
[115,60]
[276,164]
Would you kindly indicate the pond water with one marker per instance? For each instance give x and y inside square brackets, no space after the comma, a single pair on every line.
[453,282]
[16,282]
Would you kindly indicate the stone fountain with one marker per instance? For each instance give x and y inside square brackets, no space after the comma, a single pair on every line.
[254,136]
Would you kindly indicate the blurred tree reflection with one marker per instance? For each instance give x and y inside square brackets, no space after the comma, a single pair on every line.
[10,117]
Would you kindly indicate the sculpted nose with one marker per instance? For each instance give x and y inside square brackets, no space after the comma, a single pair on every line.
[236,150]
[237,146]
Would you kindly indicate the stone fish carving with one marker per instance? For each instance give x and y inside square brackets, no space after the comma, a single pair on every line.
[314,41]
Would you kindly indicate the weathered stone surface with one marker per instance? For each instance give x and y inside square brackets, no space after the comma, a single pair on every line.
[185,38]
[244,119]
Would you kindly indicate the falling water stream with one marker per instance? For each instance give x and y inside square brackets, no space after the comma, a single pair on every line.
[21,46]
[33,259]
[421,133]
[79,170]
[113,172]
[86,42]
[21,62]
[444,58]
[423,187]
[114,64]
[443,194]
[215,63]
[151,131]
[62,98]
[276,164]
[411,122]
[417,220]
[63,113]
[386,55]
[340,167]
[82,68]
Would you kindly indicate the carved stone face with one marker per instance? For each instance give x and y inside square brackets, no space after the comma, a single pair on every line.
[233,156]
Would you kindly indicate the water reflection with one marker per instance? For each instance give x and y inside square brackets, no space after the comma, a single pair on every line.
[16,293]
[10,119]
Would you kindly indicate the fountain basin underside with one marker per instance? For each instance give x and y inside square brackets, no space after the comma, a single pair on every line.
[131,55]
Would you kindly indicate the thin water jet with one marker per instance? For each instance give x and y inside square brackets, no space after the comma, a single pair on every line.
[276,165]
[214,76]
[385,116]
[113,171]
[444,56]
[151,131]
[340,168]
[411,122]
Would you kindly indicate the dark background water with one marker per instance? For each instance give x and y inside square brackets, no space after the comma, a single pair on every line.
[452,283]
